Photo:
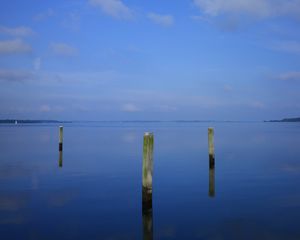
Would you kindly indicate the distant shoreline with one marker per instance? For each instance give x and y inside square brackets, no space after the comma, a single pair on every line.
[27,121]
[17,121]
[285,120]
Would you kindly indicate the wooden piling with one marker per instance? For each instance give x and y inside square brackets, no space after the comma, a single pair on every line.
[147,170]
[60,138]
[211,148]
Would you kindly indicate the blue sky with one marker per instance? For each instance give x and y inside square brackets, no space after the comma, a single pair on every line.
[150,60]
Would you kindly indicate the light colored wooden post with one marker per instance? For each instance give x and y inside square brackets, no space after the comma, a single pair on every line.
[61,133]
[147,170]
[211,148]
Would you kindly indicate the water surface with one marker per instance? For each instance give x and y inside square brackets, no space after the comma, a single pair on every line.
[94,190]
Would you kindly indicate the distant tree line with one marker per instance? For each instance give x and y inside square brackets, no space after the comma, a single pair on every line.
[28,121]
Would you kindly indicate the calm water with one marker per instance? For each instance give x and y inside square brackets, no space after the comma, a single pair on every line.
[96,194]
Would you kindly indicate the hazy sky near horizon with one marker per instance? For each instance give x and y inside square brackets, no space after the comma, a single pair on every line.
[150,60]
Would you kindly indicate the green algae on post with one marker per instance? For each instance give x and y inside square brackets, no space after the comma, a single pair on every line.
[147,170]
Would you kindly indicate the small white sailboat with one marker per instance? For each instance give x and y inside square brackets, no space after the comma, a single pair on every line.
[16,122]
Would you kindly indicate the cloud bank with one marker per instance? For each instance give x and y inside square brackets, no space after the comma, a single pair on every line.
[163,20]
[129,107]
[114,8]
[15,75]
[17,31]
[44,15]
[256,8]
[63,49]
[287,46]
[14,46]
[289,76]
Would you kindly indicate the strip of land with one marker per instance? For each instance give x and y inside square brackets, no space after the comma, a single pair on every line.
[286,120]
[15,121]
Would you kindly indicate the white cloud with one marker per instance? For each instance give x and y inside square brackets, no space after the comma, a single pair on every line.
[160,101]
[257,105]
[63,49]
[289,76]
[256,8]
[287,46]
[37,64]
[200,18]
[44,15]
[129,107]
[163,20]
[86,77]
[227,88]
[47,108]
[14,75]
[229,24]
[114,8]
[72,21]
[14,46]
[167,108]
[17,31]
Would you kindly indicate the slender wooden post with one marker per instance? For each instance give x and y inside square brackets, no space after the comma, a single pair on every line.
[211,148]
[147,170]
[61,133]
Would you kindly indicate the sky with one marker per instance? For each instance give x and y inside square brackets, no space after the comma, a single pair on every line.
[150,60]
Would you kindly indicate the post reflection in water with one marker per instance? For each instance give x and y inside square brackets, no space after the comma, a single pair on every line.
[60,159]
[211,187]
[147,186]
[147,222]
